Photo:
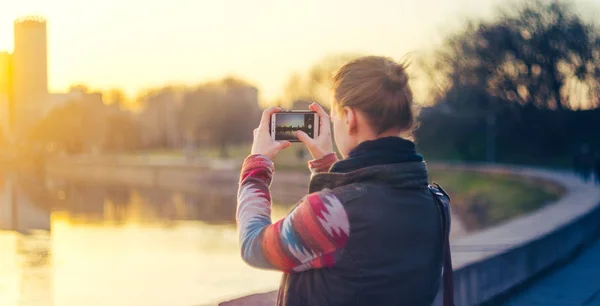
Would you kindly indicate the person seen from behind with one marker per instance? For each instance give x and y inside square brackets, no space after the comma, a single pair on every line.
[368,232]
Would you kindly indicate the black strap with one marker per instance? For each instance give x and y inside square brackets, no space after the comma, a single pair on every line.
[443,201]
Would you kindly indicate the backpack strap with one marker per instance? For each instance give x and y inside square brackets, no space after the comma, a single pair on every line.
[443,202]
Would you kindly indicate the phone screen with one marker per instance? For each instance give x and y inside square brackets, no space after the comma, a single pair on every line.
[286,125]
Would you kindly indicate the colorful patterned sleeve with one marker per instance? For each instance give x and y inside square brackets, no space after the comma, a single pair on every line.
[312,236]
[322,164]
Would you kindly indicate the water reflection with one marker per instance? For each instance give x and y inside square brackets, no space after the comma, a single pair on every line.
[72,244]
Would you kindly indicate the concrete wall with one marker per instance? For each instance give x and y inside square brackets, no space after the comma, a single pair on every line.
[178,177]
[175,174]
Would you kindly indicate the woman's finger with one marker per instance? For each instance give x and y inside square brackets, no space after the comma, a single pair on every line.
[308,142]
[323,116]
[266,117]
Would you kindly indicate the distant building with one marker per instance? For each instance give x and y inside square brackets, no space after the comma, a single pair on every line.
[159,119]
[30,72]
[59,99]
[92,107]
[75,94]
[5,93]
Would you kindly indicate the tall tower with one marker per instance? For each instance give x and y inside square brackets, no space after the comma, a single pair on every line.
[30,72]
[5,94]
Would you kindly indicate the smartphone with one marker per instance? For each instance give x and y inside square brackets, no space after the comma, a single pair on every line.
[284,124]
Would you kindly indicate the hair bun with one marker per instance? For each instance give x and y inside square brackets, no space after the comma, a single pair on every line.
[396,75]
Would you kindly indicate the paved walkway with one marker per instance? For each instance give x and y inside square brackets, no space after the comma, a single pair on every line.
[577,283]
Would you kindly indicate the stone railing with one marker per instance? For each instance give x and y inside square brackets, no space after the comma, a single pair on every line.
[491,262]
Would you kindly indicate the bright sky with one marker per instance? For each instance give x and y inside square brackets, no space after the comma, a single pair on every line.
[136,44]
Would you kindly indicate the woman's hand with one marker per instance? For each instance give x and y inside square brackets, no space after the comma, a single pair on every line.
[322,144]
[263,142]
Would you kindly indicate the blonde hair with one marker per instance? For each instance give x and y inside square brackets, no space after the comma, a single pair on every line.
[377,86]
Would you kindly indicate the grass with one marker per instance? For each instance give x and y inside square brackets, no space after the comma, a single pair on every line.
[482,199]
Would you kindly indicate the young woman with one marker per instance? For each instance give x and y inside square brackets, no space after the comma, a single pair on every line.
[369,230]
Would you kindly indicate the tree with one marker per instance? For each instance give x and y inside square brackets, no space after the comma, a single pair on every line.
[530,55]
[316,83]
[115,96]
[79,87]
[62,129]
[84,126]
[220,113]
[123,133]
[159,117]
[511,83]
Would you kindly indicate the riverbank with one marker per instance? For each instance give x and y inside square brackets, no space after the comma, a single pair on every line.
[480,199]
[474,189]
[173,174]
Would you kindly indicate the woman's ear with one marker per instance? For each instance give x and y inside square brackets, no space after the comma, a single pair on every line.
[350,120]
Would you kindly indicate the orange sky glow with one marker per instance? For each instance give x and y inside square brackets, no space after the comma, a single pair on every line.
[138,44]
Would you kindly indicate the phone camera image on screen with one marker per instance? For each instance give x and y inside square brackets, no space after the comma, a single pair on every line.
[286,125]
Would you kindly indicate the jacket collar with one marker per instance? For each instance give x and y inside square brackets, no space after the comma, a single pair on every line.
[381,151]
[391,161]
[399,175]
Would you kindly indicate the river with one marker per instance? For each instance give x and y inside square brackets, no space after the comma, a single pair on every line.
[72,244]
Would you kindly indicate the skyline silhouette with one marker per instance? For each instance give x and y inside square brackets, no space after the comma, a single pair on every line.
[140,44]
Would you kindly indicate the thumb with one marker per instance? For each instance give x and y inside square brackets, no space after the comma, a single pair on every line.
[309,142]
